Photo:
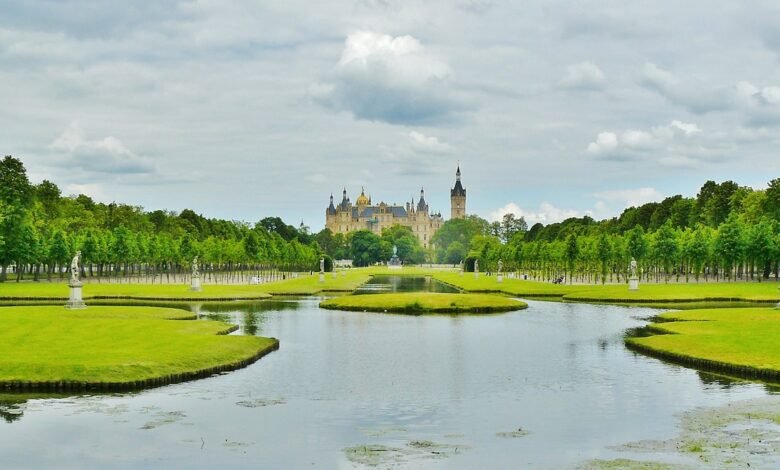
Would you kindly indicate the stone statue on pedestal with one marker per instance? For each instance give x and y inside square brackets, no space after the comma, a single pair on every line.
[75,301]
[476,268]
[75,270]
[195,280]
[322,265]
[195,270]
[633,278]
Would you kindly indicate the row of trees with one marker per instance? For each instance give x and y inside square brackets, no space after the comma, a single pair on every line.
[40,231]
[726,232]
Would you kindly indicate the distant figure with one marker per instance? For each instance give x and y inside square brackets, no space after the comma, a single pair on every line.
[195,271]
[322,265]
[500,266]
[74,269]
[632,268]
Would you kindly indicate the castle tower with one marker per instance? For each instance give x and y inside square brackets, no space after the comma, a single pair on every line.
[458,198]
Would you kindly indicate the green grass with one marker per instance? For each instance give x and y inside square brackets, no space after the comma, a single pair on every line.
[733,340]
[424,302]
[516,287]
[689,292]
[116,345]
[59,291]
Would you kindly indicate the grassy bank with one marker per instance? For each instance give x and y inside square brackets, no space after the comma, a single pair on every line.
[516,287]
[59,291]
[115,348]
[741,341]
[654,293]
[424,302]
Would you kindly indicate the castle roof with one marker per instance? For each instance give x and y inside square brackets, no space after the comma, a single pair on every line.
[458,190]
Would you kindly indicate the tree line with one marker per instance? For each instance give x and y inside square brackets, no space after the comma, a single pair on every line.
[726,232]
[41,230]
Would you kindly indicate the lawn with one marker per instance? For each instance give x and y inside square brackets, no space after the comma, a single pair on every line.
[59,291]
[736,340]
[688,292]
[424,302]
[136,346]
[516,287]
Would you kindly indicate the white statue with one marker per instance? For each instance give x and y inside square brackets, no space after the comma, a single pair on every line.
[74,269]
[322,265]
[476,265]
[500,266]
[632,268]
[195,271]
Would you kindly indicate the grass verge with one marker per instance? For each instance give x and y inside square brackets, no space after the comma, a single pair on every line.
[759,292]
[115,348]
[418,303]
[736,341]
[59,291]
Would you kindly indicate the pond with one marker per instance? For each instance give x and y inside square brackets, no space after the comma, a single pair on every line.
[552,386]
[387,284]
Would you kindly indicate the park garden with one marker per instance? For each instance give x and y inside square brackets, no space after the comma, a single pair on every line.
[712,260]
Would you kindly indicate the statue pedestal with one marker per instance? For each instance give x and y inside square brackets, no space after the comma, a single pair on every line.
[75,301]
[335,274]
[322,277]
[461,273]
[633,283]
[500,278]
[195,284]
[476,274]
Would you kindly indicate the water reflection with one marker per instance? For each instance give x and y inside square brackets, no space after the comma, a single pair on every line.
[386,284]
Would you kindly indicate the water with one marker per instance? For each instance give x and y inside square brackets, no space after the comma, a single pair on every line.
[386,284]
[342,379]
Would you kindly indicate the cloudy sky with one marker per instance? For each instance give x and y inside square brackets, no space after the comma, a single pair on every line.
[242,110]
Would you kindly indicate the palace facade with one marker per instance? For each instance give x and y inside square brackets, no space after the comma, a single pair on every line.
[363,215]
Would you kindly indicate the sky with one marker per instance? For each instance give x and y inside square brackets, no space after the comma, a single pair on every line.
[242,110]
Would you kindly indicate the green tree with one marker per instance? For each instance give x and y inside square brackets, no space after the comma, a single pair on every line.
[571,254]
[729,244]
[365,248]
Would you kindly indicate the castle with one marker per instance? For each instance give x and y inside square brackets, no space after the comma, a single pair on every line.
[345,217]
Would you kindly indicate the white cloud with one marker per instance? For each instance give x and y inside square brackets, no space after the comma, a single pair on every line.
[695,96]
[106,155]
[629,197]
[583,76]
[428,144]
[546,213]
[674,144]
[605,142]
[760,105]
[392,79]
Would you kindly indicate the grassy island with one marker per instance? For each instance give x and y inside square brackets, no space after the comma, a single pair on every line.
[741,341]
[418,303]
[48,348]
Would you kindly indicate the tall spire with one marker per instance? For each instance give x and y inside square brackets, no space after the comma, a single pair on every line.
[457,173]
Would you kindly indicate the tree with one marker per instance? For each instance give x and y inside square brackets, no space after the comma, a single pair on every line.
[365,248]
[571,254]
[604,254]
[666,248]
[511,225]
[637,243]
[760,247]
[771,204]
[729,244]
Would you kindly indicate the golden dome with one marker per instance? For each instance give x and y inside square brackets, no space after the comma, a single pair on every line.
[362,200]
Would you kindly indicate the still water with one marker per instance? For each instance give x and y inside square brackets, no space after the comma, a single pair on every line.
[557,371]
[387,284]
